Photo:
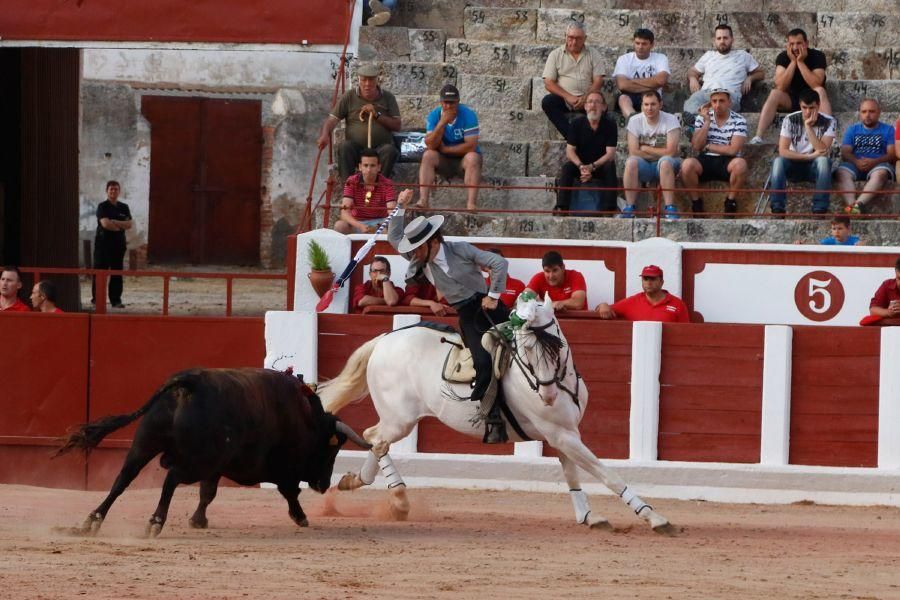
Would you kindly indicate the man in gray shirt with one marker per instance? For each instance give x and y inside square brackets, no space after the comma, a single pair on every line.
[455,269]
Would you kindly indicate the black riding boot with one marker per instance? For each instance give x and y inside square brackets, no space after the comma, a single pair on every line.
[495,427]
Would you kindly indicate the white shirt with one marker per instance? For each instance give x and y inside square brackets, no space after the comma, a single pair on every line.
[725,70]
[652,135]
[632,67]
[792,127]
[441,261]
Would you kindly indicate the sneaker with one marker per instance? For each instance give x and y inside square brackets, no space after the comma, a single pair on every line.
[730,207]
[117,305]
[756,140]
[697,208]
[627,212]
[857,209]
[671,212]
[380,14]
[778,213]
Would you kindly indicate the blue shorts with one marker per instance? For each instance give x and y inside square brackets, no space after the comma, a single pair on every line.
[857,176]
[371,222]
[648,172]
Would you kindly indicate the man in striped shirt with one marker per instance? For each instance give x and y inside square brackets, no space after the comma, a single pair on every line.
[368,196]
[719,137]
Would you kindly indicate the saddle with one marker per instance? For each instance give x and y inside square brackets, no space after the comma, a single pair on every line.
[458,365]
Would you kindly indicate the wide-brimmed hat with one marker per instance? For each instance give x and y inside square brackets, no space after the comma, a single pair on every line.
[419,231]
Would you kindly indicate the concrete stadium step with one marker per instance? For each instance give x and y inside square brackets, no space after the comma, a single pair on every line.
[401,44]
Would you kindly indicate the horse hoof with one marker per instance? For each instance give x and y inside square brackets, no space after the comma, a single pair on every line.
[599,524]
[380,449]
[198,523]
[348,482]
[666,529]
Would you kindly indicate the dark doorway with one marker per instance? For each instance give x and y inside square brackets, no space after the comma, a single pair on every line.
[205,176]
[39,117]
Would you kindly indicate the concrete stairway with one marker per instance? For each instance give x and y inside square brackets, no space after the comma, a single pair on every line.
[495,50]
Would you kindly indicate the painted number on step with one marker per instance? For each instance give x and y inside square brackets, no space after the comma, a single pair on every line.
[516,115]
[502,54]
[478,16]
[526,226]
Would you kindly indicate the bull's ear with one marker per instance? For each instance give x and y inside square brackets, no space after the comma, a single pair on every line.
[334,441]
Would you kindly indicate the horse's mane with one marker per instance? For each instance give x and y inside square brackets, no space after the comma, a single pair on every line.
[549,343]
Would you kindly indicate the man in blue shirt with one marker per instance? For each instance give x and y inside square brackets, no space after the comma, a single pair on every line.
[840,233]
[868,154]
[452,150]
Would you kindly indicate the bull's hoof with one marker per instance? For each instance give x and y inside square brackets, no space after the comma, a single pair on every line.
[198,522]
[154,527]
[91,524]
[599,524]
[304,522]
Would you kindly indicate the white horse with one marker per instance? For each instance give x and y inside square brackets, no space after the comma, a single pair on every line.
[402,371]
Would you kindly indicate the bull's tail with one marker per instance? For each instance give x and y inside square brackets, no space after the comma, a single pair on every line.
[87,436]
[351,383]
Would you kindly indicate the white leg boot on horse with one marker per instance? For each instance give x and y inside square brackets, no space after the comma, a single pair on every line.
[583,514]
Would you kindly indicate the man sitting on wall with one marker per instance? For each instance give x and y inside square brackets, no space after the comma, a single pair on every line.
[653,304]
[567,287]
[10,284]
[368,196]
[886,302]
[868,154]
[379,290]
[421,292]
[514,286]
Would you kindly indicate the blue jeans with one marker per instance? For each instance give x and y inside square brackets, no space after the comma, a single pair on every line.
[784,170]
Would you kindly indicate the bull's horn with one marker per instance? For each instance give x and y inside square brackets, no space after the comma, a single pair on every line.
[353,436]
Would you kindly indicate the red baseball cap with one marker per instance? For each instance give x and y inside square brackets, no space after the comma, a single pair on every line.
[652,271]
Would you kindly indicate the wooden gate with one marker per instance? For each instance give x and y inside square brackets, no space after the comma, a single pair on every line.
[205,174]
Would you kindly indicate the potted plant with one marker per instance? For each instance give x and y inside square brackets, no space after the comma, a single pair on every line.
[320,275]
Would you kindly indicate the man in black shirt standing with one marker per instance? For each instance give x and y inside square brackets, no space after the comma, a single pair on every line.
[591,150]
[797,69]
[113,218]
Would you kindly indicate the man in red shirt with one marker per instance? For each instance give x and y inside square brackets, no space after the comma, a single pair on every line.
[368,196]
[566,287]
[514,286]
[653,304]
[43,297]
[379,290]
[886,302]
[422,293]
[10,284]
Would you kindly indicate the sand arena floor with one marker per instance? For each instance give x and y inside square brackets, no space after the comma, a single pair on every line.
[456,544]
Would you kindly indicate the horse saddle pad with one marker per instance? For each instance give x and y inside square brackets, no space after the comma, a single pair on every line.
[459,367]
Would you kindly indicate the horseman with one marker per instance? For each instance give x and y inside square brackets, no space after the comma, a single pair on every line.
[455,269]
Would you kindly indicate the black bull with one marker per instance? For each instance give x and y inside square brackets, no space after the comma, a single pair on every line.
[250,425]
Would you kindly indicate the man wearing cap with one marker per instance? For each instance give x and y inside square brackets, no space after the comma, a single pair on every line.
[452,150]
[354,108]
[719,136]
[454,268]
[653,304]
[734,70]
[571,73]
[566,287]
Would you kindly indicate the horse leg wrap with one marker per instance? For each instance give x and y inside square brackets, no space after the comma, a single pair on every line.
[580,502]
[634,501]
[390,471]
[369,469]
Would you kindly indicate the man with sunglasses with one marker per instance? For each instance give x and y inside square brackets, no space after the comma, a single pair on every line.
[379,290]
[652,304]
[368,196]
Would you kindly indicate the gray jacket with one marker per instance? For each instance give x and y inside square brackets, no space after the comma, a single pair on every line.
[464,261]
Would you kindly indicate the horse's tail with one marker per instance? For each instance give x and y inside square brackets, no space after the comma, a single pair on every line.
[350,384]
[89,435]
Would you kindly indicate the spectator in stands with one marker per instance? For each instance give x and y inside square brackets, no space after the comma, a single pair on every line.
[886,302]
[806,138]
[639,72]
[514,286]
[10,284]
[591,154]
[421,292]
[798,69]
[841,234]
[572,72]
[368,196]
[734,70]
[354,108]
[378,291]
[653,137]
[452,146]
[113,220]
[719,136]
[377,12]
[43,297]
[868,155]
[652,304]
[567,287]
